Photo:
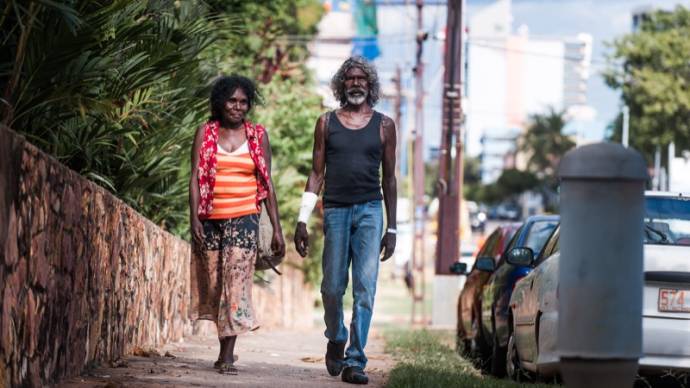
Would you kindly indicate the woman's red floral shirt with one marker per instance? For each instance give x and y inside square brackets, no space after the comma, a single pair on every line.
[207,164]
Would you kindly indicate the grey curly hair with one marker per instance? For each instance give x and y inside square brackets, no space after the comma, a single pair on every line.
[338,80]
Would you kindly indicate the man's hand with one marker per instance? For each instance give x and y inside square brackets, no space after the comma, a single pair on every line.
[301,239]
[387,246]
[278,243]
[197,231]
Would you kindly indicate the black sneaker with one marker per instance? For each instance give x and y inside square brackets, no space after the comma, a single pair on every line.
[335,354]
[355,375]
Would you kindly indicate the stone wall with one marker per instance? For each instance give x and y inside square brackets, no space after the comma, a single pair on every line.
[84,278]
[286,302]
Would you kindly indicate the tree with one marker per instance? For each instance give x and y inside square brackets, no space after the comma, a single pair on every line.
[273,51]
[289,113]
[544,143]
[275,36]
[651,69]
[513,182]
[509,185]
[431,178]
[472,179]
[471,170]
[115,89]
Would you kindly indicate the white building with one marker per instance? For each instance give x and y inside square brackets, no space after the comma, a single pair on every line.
[331,47]
[512,75]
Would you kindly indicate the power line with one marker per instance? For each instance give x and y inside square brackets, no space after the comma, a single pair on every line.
[382,39]
[534,53]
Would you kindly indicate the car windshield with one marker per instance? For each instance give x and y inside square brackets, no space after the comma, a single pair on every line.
[538,233]
[667,221]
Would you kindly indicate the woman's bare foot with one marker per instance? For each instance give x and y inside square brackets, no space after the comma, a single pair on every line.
[227,368]
[219,362]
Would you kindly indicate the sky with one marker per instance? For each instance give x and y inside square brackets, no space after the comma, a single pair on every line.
[605,20]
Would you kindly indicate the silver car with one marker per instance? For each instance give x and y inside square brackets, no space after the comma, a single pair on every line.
[666,303]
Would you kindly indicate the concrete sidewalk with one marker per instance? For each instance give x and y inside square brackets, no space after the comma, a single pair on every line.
[267,358]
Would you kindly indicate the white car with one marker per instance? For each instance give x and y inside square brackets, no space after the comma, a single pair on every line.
[666,302]
[468,250]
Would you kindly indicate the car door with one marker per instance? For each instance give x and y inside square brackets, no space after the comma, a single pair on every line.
[542,295]
[528,299]
[495,304]
[492,287]
[469,295]
[523,323]
[546,288]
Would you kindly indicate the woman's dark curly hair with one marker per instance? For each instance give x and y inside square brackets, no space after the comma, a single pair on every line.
[225,86]
[338,80]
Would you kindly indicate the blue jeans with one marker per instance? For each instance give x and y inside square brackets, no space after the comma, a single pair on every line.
[352,235]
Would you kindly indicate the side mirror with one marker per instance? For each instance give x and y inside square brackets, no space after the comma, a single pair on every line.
[485,264]
[520,256]
[458,268]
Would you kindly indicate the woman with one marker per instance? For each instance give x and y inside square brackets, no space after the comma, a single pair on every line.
[230,181]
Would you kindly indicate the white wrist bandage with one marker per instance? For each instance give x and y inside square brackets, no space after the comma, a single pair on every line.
[307,206]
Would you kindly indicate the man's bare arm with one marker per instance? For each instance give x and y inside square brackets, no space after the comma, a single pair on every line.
[389,183]
[314,183]
[318,163]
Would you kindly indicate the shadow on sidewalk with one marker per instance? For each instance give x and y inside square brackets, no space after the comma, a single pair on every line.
[276,359]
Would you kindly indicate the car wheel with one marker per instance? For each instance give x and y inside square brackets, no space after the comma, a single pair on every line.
[462,345]
[513,369]
[464,348]
[479,349]
[498,359]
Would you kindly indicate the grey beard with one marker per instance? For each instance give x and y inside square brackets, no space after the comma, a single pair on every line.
[352,100]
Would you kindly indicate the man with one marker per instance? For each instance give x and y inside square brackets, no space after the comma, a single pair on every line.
[351,144]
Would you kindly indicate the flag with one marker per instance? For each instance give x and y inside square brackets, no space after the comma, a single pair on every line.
[365,43]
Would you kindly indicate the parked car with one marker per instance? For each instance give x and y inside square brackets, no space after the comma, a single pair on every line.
[477,217]
[495,297]
[532,345]
[467,253]
[508,211]
[468,342]
[666,298]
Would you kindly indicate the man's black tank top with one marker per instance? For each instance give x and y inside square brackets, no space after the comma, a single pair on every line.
[353,159]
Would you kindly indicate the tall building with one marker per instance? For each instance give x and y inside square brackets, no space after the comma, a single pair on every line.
[512,75]
[331,47]
[578,57]
[639,15]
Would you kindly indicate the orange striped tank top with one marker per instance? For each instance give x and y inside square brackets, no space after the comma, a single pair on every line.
[234,194]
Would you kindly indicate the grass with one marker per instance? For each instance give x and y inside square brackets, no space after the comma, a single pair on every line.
[427,359]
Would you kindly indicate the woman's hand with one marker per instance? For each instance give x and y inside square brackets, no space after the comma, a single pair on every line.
[197,231]
[278,243]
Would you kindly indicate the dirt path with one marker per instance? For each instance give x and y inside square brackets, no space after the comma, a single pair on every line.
[267,358]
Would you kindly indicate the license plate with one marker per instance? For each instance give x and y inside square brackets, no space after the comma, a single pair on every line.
[674,301]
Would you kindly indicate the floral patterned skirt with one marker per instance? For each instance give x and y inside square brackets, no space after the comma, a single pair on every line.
[222,273]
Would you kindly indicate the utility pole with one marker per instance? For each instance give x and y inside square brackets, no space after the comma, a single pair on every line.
[397,81]
[450,165]
[669,174]
[656,180]
[449,184]
[626,125]
[418,259]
